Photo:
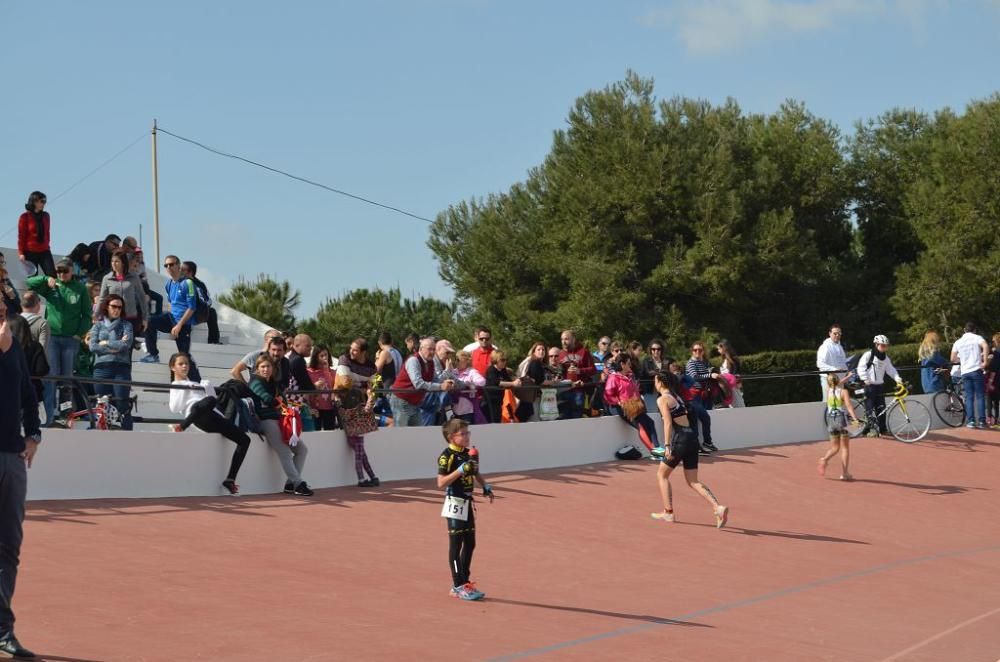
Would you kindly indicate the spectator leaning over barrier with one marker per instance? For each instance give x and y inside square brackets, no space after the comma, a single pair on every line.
[178,322]
[972,354]
[68,313]
[33,229]
[190,270]
[830,357]
[293,458]
[84,265]
[602,354]
[933,365]
[18,410]
[730,370]
[300,380]
[578,367]
[417,399]
[322,378]
[111,341]
[102,252]
[128,287]
[482,354]
[248,362]
[700,377]
[499,378]
[465,401]
[31,311]
[874,365]
[355,364]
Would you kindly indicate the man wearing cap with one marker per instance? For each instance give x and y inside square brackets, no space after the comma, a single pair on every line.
[18,409]
[68,312]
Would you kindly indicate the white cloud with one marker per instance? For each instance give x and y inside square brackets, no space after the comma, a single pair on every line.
[725,25]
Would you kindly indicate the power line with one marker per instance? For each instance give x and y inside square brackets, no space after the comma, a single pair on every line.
[296,177]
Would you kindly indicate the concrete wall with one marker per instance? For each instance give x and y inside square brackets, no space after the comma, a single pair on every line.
[90,464]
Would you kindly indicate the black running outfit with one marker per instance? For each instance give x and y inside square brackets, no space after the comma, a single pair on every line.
[461,535]
[683,440]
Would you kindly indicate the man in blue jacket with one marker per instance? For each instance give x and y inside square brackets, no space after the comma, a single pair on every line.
[178,322]
[18,407]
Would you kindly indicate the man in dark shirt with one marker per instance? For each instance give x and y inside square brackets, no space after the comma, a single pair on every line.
[190,270]
[301,349]
[18,408]
[101,252]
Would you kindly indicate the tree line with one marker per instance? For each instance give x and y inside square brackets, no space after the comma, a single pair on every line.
[680,219]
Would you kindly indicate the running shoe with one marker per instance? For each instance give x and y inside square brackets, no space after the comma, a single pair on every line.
[662,516]
[303,490]
[231,487]
[470,586]
[375,481]
[659,451]
[721,516]
[289,488]
[463,593]
[150,358]
[971,425]
[710,446]
[365,483]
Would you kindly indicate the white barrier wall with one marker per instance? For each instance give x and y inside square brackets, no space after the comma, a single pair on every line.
[84,464]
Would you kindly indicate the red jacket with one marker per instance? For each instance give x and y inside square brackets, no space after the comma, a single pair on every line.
[27,234]
[584,362]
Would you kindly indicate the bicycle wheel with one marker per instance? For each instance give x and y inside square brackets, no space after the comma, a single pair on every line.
[950,408]
[908,420]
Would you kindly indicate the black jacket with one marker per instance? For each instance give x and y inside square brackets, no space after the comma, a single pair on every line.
[18,403]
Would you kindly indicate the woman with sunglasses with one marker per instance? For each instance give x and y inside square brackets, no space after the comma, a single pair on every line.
[653,363]
[111,344]
[699,370]
[33,234]
[121,281]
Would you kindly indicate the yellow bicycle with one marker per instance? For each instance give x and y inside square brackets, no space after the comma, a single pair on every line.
[908,420]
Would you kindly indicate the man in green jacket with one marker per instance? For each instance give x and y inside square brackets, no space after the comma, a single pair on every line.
[68,311]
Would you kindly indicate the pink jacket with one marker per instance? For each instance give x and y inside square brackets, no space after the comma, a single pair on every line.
[619,388]
[317,375]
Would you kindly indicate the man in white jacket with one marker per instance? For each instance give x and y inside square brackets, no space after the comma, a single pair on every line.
[831,357]
[874,365]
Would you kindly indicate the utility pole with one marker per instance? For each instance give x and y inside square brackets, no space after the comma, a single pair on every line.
[156,201]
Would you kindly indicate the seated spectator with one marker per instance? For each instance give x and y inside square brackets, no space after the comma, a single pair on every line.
[322,378]
[621,393]
[578,368]
[248,362]
[178,322]
[465,402]
[498,378]
[267,403]
[127,286]
[354,409]
[190,270]
[730,371]
[417,396]
[299,378]
[102,252]
[197,406]
[111,340]
[137,266]
[698,383]
[84,264]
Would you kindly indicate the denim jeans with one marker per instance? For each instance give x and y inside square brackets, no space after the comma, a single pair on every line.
[699,415]
[165,322]
[61,354]
[975,395]
[404,414]
[119,393]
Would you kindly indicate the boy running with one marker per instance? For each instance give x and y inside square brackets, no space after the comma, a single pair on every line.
[458,469]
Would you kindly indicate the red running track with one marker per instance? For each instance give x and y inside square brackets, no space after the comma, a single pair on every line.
[901,564]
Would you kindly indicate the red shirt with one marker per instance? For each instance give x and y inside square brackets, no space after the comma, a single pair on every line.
[27,233]
[481,359]
[583,360]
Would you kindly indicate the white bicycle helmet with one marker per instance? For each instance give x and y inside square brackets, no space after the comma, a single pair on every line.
[880,340]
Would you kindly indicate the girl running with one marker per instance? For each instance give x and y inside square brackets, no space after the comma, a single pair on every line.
[198,408]
[838,408]
[683,448]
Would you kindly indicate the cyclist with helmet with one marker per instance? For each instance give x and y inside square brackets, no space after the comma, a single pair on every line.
[874,365]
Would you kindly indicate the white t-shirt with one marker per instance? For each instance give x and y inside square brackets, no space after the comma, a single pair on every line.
[970,353]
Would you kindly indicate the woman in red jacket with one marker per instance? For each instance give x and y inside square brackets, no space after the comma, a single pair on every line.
[33,235]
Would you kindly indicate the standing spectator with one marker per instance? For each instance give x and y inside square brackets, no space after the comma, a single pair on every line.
[482,354]
[355,364]
[11,299]
[322,378]
[84,265]
[354,409]
[830,357]
[993,382]
[498,378]
[292,458]
[532,374]
[699,371]
[417,395]
[465,402]
[578,367]
[31,311]
[651,365]
[602,354]
[111,344]
[248,362]
[300,381]
[730,370]
[69,314]
[412,343]
[128,287]
[18,410]
[180,293]
[874,365]
[33,235]
[933,364]
[190,270]
[138,267]
[34,353]
[389,361]
[972,354]
[102,252]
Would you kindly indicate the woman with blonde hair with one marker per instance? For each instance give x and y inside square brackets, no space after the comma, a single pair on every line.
[838,409]
[932,363]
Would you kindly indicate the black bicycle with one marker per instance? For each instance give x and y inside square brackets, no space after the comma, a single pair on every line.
[950,403]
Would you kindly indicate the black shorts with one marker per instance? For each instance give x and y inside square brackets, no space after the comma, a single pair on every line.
[457,526]
[683,448]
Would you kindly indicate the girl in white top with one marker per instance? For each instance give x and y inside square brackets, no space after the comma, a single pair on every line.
[197,405]
[874,365]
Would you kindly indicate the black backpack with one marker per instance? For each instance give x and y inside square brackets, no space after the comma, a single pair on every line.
[628,452]
[203,303]
[229,394]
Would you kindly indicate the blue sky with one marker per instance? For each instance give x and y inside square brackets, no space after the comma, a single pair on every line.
[415,103]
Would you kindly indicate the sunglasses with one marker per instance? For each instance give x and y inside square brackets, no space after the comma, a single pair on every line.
[485,339]
[698,350]
[169,264]
[603,343]
[62,271]
[114,305]
[656,349]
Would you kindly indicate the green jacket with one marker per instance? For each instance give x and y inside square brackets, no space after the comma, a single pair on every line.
[69,310]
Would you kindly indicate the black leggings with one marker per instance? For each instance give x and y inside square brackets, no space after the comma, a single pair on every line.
[327,419]
[875,399]
[647,429]
[204,417]
[461,544]
[43,261]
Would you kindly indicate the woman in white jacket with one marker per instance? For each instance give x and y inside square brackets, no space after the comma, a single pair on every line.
[197,405]
[874,365]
